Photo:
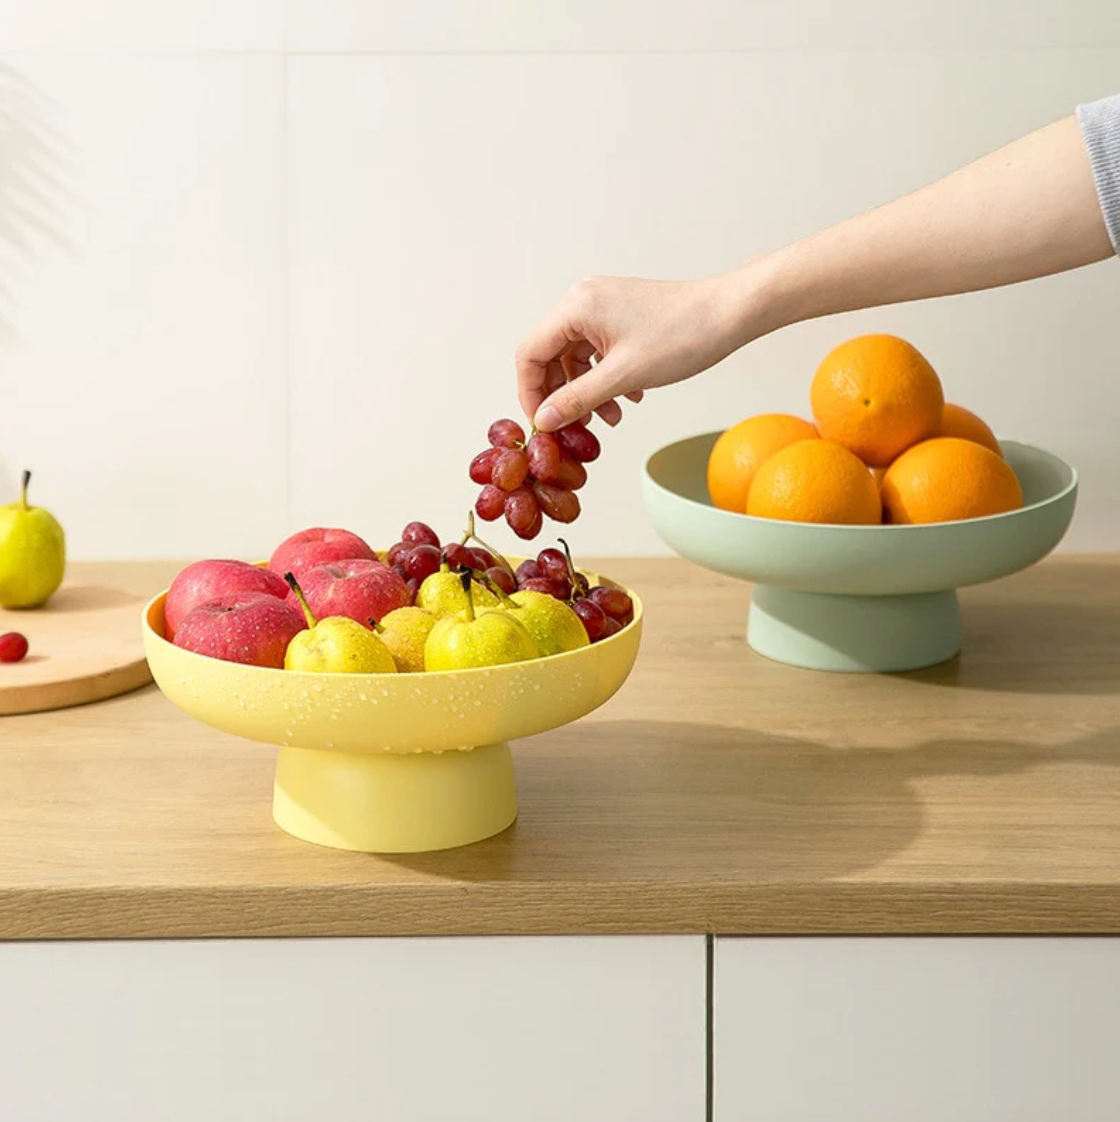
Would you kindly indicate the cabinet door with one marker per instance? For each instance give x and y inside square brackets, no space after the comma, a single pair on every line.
[926,1030]
[376,1030]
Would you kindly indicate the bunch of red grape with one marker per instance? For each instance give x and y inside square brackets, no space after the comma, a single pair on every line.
[602,610]
[528,479]
[419,554]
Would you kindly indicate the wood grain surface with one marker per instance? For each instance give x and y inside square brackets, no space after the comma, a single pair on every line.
[716,793]
[85,646]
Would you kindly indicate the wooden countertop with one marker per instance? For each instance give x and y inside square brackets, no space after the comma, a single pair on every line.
[716,793]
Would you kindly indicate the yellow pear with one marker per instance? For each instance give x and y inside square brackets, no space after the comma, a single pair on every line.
[466,641]
[335,645]
[405,631]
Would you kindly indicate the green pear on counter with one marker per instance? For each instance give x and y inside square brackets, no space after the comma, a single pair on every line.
[32,553]
[335,645]
[467,640]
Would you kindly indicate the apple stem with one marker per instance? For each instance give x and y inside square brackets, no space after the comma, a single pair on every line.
[23,489]
[465,580]
[293,584]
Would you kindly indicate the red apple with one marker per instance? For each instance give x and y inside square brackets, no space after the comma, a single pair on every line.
[317,546]
[207,580]
[360,589]
[249,627]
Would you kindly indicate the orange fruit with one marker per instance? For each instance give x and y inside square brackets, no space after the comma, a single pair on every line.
[958,421]
[947,479]
[741,451]
[876,395]
[877,474]
[815,481]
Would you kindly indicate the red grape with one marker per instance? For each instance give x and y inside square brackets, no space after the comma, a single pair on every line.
[552,564]
[523,514]
[593,618]
[413,586]
[561,589]
[483,464]
[572,475]
[559,504]
[491,503]
[580,443]
[484,559]
[502,578]
[13,646]
[612,628]
[614,602]
[543,454]
[506,434]
[458,556]
[398,553]
[510,469]
[418,533]
[537,584]
[422,562]
[401,569]
[527,570]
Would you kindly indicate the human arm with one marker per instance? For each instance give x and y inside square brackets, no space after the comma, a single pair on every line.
[1030,209]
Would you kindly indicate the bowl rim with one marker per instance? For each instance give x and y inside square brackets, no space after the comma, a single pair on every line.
[913,527]
[151,634]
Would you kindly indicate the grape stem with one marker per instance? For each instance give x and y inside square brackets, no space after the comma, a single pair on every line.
[470,535]
[578,580]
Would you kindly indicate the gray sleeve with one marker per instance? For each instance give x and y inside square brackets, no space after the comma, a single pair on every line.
[1100,125]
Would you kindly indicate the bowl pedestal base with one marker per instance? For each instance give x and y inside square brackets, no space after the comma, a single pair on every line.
[856,634]
[387,803]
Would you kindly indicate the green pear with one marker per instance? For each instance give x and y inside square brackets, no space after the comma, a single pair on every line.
[335,645]
[32,553]
[465,640]
[405,631]
[441,595]
[554,627]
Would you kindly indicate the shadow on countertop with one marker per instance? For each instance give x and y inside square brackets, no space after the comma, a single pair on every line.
[774,809]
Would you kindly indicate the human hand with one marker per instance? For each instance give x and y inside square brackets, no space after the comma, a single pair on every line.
[615,337]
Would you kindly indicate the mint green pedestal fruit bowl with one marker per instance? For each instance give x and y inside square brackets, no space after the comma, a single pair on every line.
[856,598]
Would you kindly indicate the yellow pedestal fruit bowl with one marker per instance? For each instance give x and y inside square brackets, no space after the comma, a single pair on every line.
[392,763]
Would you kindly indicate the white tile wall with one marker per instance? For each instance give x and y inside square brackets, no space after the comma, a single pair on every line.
[302,240]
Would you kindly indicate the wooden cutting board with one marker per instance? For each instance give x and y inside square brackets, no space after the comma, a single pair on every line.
[85,646]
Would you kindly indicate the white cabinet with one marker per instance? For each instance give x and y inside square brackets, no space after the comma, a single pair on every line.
[354,1030]
[926,1030]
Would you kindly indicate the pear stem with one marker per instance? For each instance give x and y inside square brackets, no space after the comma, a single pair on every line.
[293,584]
[465,580]
[375,624]
[23,489]
[501,594]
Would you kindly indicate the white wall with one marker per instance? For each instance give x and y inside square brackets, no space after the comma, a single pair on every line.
[270,262]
